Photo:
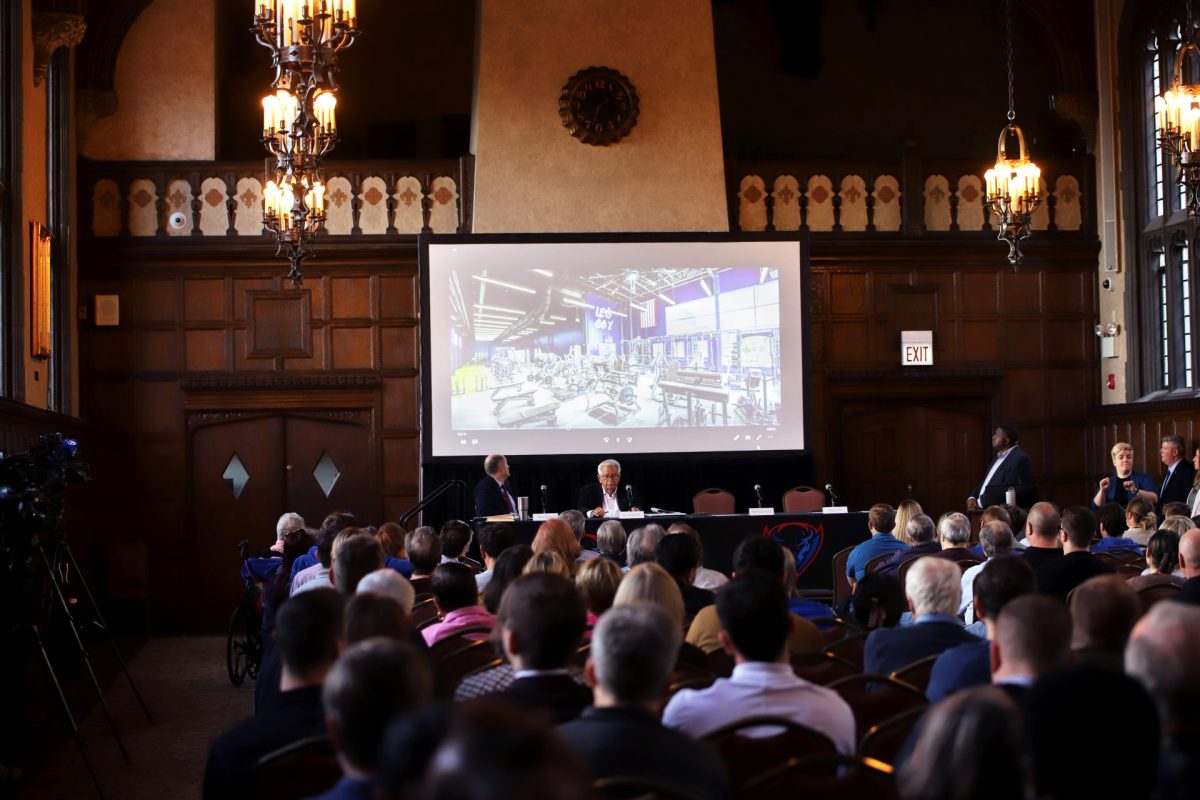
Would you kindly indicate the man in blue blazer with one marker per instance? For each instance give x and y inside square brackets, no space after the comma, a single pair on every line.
[1010,467]
[493,494]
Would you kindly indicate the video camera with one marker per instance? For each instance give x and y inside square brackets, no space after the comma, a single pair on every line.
[33,485]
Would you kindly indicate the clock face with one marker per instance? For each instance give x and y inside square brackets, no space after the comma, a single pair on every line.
[598,105]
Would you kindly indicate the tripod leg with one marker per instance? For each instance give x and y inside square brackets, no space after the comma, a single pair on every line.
[66,708]
[87,662]
[70,557]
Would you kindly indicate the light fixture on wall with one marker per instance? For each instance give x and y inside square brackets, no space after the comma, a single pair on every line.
[299,122]
[1014,185]
[1178,114]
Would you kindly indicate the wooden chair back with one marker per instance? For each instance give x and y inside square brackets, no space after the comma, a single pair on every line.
[885,740]
[841,586]
[822,668]
[824,778]
[917,673]
[875,698]
[300,769]
[747,756]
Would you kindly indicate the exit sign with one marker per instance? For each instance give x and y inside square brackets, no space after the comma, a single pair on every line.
[916,348]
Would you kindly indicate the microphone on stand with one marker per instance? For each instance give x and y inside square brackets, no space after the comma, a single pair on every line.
[629,495]
[832,496]
[758,493]
[544,499]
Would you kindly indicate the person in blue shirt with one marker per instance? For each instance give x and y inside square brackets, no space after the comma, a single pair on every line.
[880,521]
[1125,483]
[1111,518]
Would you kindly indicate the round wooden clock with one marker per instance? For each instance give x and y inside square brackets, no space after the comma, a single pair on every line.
[598,106]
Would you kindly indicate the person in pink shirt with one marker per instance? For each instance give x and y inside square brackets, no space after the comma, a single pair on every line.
[457,600]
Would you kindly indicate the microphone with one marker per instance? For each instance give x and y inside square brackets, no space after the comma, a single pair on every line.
[832,495]
[758,493]
[629,495]
[544,499]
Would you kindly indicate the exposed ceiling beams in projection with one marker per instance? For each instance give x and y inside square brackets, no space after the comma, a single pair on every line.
[560,347]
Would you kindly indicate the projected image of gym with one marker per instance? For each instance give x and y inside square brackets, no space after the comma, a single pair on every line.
[621,349]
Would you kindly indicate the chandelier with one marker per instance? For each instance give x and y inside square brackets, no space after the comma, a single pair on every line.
[299,122]
[1014,185]
[1178,117]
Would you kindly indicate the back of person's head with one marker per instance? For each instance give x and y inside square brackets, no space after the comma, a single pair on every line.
[642,543]
[337,521]
[1079,526]
[1163,653]
[678,554]
[359,555]
[497,752]
[634,648]
[597,580]
[650,583]
[789,570]
[881,518]
[289,521]
[424,548]
[1177,523]
[610,538]
[954,528]
[1189,551]
[371,683]
[324,543]
[1033,632]
[548,561]
[1016,520]
[996,514]
[544,614]
[970,747]
[1175,509]
[1073,708]
[1103,612]
[1000,581]
[575,521]
[456,537]
[296,543]
[1162,551]
[389,583]
[308,630]
[369,615]
[934,586]
[996,539]
[493,462]
[1141,514]
[684,529]
[391,538]
[904,514]
[1111,519]
[408,746]
[1044,523]
[878,601]
[754,613]
[453,586]
[494,539]
[509,566]
[761,553]
[556,535]
[920,529]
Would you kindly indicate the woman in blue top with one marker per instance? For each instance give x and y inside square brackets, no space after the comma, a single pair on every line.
[1126,483]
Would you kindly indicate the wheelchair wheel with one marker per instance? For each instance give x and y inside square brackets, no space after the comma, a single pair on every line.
[237,645]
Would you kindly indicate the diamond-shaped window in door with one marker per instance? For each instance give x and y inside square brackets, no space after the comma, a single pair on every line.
[237,476]
[327,474]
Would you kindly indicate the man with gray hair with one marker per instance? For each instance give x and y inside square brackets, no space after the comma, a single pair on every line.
[290,521]
[921,532]
[642,544]
[996,539]
[493,493]
[632,655]
[575,521]
[934,592]
[1180,474]
[954,534]
[607,497]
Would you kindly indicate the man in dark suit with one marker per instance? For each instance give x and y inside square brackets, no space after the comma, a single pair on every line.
[934,589]
[493,494]
[1010,467]
[1180,475]
[606,497]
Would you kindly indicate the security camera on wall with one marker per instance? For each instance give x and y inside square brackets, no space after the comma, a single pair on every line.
[177,221]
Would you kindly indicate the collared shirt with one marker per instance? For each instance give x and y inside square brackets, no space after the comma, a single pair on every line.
[1167,478]
[539,673]
[612,506]
[311,578]
[995,465]
[877,545]
[1016,680]
[512,506]
[950,618]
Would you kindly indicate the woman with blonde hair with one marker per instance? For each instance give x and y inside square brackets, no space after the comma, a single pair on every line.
[904,512]
[1125,483]
[557,536]
[597,581]
[1142,522]
[650,583]
[548,561]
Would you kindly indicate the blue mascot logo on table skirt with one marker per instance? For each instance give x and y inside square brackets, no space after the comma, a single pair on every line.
[803,538]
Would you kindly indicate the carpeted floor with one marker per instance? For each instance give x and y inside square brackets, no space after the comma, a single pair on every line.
[184,683]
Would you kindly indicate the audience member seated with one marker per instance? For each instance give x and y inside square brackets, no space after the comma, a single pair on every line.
[954,534]
[1033,637]
[1111,521]
[1175,509]
[424,548]
[630,662]
[322,577]
[509,566]
[358,556]
[453,587]
[407,749]
[754,630]
[308,636]
[968,748]
[996,539]
[369,615]
[650,583]
[877,602]
[372,683]
[705,578]
[642,542]
[288,522]
[597,582]
[881,519]
[1162,562]
[1140,520]
[1177,523]
[1163,654]
[577,522]
[555,536]
[933,592]
[966,665]
[922,535]
[1042,529]
[494,539]
[391,538]
[610,541]
[904,513]
[331,526]
[456,537]
[389,583]
[1189,562]
[679,555]
[766,555]
[800,606]
[1061,575]
[540,627]
[1103,612]
[550,561]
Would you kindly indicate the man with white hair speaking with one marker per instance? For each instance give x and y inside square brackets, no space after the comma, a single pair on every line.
[606,497]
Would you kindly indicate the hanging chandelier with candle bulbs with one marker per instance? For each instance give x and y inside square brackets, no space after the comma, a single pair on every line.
[1014,185]
[299,120]
[1178,115]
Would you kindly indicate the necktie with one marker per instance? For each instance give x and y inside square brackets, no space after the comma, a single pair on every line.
[508,499]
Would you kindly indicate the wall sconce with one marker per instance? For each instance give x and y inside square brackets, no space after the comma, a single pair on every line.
[1107,330]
